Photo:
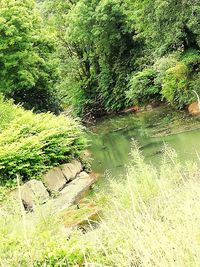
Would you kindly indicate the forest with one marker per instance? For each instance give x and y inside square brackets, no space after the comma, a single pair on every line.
[99,151]
[99,57]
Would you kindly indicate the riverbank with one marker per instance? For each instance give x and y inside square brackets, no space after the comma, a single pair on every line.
[153,214]
[137,199]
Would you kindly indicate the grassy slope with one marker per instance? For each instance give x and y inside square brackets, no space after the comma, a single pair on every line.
[152,219]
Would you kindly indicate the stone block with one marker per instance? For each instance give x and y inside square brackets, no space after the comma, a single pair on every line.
[55,180]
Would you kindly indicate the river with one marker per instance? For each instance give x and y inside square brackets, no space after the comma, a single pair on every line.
[111,138]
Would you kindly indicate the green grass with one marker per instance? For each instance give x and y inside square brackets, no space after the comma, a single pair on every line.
[151,219]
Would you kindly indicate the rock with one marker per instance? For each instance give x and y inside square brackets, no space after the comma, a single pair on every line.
[149,107]
[78,165]
[136,108]
[33,192]
[193,108]
[72,192]
[83,175]
[131,109]
[80,216]
[70,170]
[67,172]
[86,153]
[55,180]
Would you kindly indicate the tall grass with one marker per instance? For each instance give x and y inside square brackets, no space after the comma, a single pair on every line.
[153,219]
[37,240]
[150,219]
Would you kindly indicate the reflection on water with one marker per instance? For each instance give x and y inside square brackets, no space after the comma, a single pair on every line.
[111,140]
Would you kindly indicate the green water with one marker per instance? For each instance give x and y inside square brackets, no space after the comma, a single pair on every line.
[111,139]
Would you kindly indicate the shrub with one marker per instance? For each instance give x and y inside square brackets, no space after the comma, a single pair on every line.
[191,58]
[8,112]
[175,85]
[163,64]
[32,143]
[142,87]
[171,78]
[195,85]
[176,73]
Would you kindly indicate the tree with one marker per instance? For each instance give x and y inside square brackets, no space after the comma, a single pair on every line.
[167,25]
[107,47]
[97,53]
[28,70]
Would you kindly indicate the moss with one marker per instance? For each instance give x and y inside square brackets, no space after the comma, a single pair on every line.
[80,215]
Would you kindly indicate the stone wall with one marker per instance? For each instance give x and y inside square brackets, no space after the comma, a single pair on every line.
[60,188]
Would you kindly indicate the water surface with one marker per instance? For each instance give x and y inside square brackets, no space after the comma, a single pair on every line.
[111,139]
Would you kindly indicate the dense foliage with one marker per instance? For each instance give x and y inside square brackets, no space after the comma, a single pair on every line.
[99,56]
[143,86]
[111,51]
[31,143]
[97,51]
[28,70]
[168,25]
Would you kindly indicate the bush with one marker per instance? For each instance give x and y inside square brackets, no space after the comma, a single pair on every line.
[143,87]
[39,99]
[163,64]
[32,143]
[195,82]
[8,112]
[176,74]
[191,58]
[175,85]
[171,78]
